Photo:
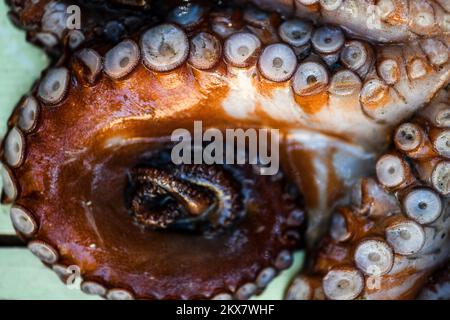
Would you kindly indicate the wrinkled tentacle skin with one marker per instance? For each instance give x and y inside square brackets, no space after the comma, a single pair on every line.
[107,110]
[396,233]
[382,21]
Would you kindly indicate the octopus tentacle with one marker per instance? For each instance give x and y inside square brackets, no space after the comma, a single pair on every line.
[232,200]
[334,98]
[381,21]
[200,213]
[396,233]
[48,22]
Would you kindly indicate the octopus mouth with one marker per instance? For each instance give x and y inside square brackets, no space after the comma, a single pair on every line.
[205,199]
[87,158]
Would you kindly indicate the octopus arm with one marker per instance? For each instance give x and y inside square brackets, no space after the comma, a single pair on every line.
[396,232]
[383,21]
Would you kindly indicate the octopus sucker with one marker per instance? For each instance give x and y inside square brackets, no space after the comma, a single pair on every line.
[205,52]
[87,160]
[165,47]
[120,60]
[395,233]
[242,49]
[23,221]
[94,288]
[54,86]
[89,64]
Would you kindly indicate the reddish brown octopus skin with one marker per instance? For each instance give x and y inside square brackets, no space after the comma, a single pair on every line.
[351,110]
[398,225]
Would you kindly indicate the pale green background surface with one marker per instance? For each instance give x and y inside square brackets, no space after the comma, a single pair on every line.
[20,65]
[22,276]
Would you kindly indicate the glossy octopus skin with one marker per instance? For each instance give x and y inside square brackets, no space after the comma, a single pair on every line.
[381,21]
[336,110]
[396,233]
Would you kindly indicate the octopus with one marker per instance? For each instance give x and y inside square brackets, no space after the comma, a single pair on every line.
[59,25]
[385,244]
[357,91]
